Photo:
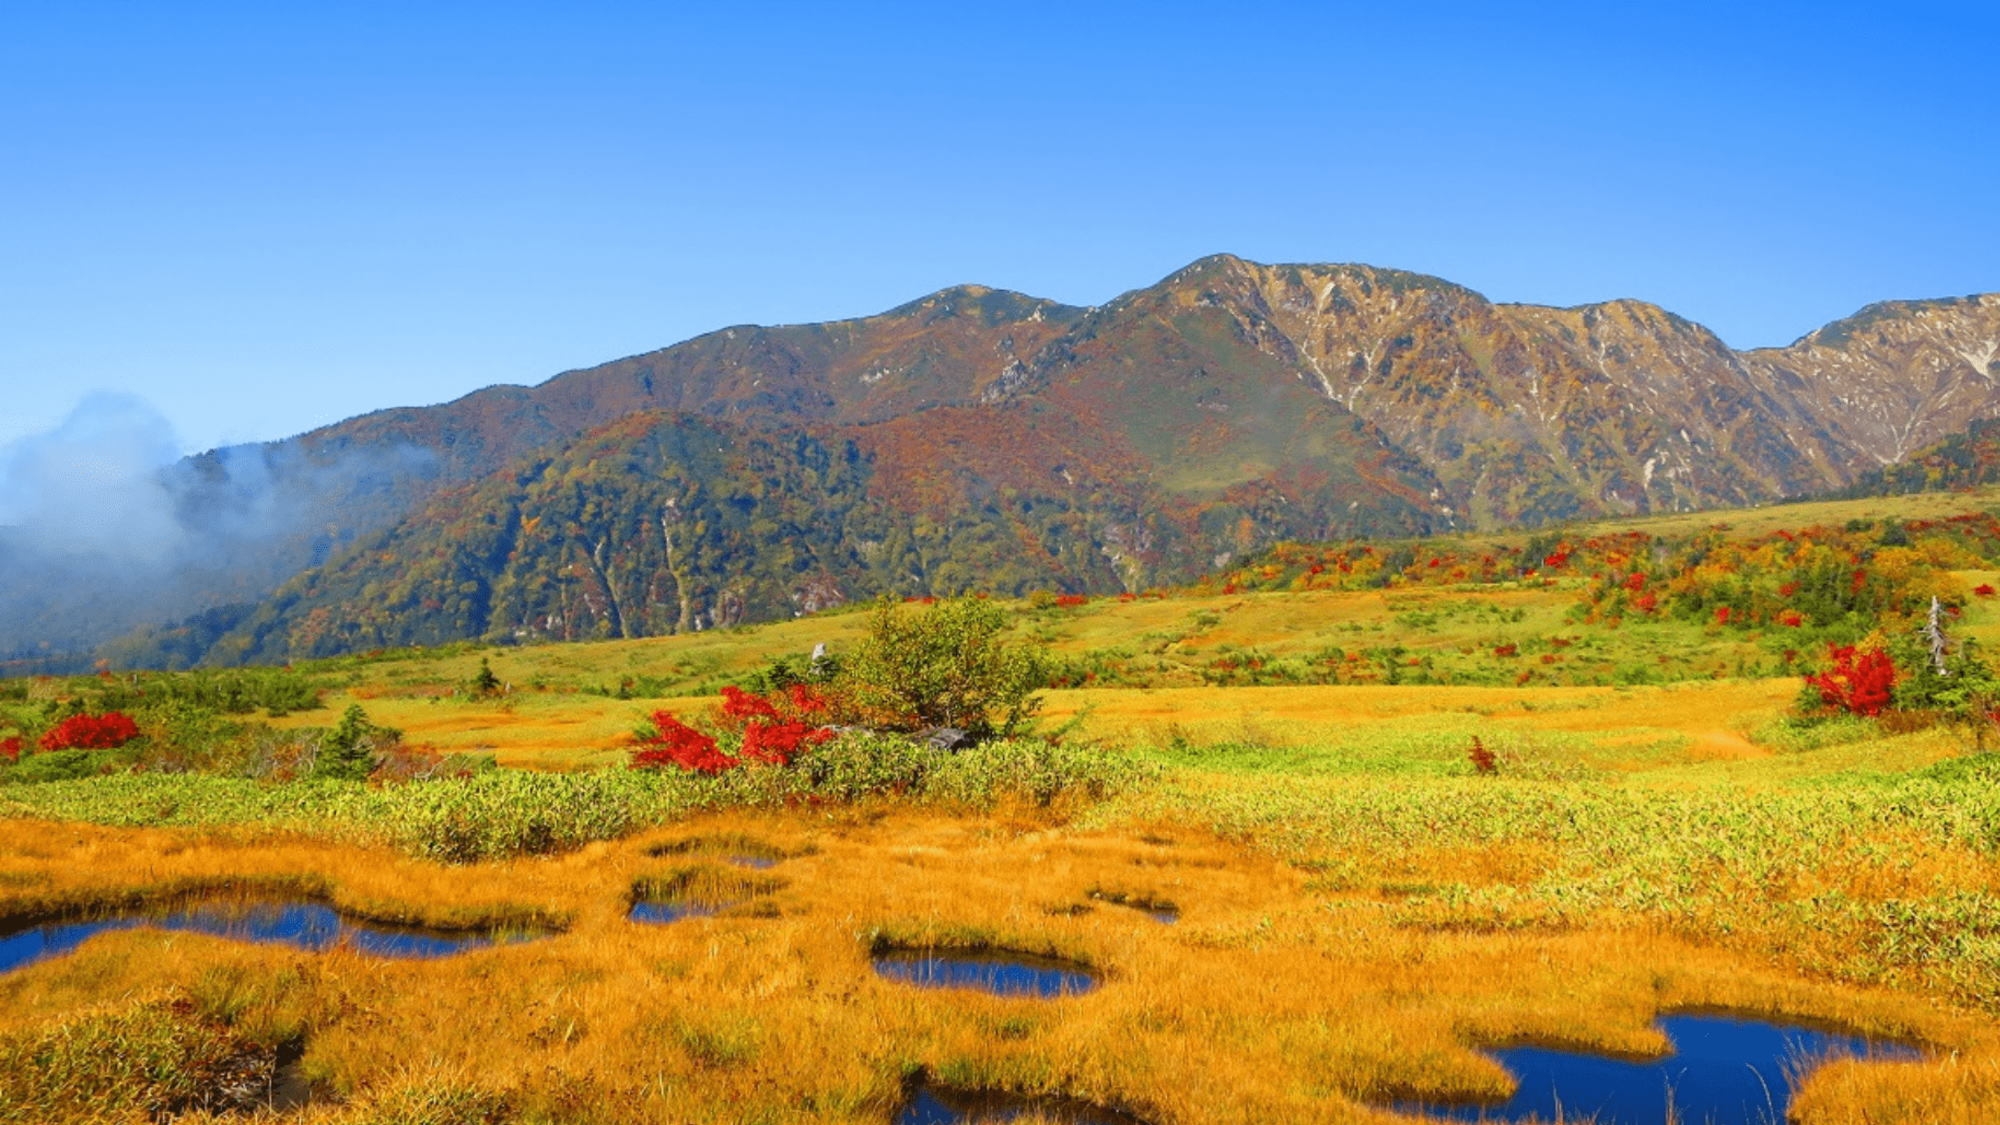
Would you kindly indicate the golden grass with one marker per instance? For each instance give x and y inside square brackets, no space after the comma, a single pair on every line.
[1274,999]
[1631,728]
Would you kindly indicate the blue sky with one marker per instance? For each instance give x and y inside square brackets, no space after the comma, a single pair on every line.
[262,218]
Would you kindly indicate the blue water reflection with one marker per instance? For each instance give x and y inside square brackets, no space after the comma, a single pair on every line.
[304,925]
[1721,1071]
[659,912]
[930,1106]
[1007,974]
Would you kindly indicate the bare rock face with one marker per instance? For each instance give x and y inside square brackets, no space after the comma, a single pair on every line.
[1894,377]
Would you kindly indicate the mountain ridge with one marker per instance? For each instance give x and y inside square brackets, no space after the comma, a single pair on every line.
[1223,407]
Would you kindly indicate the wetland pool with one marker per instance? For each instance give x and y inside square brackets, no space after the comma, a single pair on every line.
[1002,972]
[1721,1070]
[933,1105]
[303,924]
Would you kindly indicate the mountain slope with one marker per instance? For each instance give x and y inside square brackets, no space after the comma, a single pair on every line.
[1003,441]
[1894,377]
[667,522]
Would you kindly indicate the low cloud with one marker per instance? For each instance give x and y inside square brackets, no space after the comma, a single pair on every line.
[92,486]
[105,527]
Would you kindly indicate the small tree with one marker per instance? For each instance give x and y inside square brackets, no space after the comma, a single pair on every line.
[485,682]
[347,753]
[945,665]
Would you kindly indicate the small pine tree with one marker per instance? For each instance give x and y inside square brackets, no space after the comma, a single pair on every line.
[485,683]
[348,751]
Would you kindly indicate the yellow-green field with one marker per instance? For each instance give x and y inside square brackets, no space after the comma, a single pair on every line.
[1360,911]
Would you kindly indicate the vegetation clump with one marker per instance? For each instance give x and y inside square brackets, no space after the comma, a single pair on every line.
[349,751]
[946,665]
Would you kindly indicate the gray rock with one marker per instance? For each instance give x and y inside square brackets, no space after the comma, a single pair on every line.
[946,738]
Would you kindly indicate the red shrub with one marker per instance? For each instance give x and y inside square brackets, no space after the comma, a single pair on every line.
[10,749]
[91,732]
[1482,759]
[1722,615]
[674,743]
[1506,650]
[1983,590]
[1071,601]
[1635,581]
[774,728]
[1791,618]
[1859,682]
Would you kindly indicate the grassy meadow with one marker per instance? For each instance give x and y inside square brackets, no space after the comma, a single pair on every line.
[1360,908]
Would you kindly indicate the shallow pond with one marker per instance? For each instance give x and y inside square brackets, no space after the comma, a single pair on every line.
[303,924]
[1003,972]
[1722,1071]
[662,912]
[930,1105]
[1165,913]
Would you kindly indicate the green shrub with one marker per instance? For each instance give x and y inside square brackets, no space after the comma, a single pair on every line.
[1030,770]
[348,752]
[63,765]
[946,665]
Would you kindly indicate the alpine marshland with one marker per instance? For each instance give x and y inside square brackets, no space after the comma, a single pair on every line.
[1010,661]
[1312,835]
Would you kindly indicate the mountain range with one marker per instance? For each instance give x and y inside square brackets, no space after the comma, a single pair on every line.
[978,438]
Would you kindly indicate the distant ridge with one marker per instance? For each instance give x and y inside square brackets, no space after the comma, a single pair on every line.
[983,438]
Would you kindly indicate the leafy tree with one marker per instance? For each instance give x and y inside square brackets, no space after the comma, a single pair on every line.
[347,753]
[944,665]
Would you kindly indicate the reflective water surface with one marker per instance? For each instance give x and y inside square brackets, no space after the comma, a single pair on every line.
[661,912]
[1722,1071]
[1005,973]
[300,923]
[929,1105]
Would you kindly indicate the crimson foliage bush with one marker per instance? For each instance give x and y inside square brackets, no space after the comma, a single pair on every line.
[771,729]
[1858,681]
[108,731]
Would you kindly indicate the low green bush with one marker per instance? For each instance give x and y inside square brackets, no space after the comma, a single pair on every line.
[500,813]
